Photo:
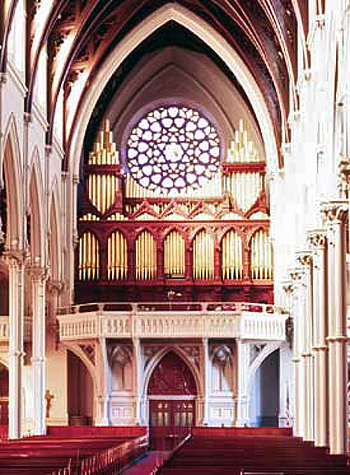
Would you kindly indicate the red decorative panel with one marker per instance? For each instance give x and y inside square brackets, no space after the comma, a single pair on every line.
[172,377]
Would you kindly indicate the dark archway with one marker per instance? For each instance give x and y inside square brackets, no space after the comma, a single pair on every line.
[172,395]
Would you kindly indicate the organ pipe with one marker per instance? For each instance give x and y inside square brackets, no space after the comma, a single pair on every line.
[261,256]
[203,256]
[232,261]
[242,149]
[89,258]
[105,150]
[245,187]
[117,257]
[146,257]
[174,255]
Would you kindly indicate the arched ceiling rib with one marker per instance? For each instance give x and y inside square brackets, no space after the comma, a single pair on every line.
[263,32]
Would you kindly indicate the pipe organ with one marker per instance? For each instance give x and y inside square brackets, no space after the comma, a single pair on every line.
[117,257]
[174,255]
[89,257]
[203,256]
[208,238]
[261,256]
[232,256]
[146,256]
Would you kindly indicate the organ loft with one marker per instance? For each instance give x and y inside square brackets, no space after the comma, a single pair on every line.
[176,217]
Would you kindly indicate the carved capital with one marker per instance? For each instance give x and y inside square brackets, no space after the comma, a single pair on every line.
[317,238]
[344,176]
[304,258]
[39,273]
[296,274]
[54,286]
[15,255]
[334,211]
[288,287]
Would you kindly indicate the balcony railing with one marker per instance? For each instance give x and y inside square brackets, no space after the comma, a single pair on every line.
[172,320]
[5,330]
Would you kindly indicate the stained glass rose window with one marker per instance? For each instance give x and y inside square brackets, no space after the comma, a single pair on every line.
[173,149]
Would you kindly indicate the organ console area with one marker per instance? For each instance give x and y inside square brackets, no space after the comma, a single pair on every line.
[183,229]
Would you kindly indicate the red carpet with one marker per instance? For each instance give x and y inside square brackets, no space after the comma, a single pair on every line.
[147,464]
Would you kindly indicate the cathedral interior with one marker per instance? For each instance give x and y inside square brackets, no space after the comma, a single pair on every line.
[174,199]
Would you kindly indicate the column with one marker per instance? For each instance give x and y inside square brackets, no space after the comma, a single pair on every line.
[207,384]
[39,275]
[104,383]
[304,258]
[317,241]
[296,276]
[138,380]
[335,213]
[242,373]
[16,328]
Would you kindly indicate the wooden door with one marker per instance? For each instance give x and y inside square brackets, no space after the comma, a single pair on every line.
[172,399]
[170,421]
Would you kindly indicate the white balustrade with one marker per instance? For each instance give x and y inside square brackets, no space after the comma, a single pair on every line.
[163,320]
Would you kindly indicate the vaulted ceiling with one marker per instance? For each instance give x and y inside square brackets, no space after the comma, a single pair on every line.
[82,34]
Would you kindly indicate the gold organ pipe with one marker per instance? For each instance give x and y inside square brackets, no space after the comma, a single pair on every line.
[80,258]
[86,258]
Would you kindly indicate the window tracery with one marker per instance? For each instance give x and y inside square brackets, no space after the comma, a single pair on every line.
[173,149]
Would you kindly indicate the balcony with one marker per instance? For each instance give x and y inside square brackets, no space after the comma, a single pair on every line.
[5,330]
[172,320]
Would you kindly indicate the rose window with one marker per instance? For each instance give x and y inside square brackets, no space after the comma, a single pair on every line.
[173,149]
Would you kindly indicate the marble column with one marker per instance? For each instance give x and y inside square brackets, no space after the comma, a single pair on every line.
[304,258]
[334,213]
[317,242]
[138,380]
[242,396]
[16,353]
[207,384]
[296,275]
[39,275]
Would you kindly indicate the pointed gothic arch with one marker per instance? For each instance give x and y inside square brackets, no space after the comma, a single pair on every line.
[179,14]
[11,170]
[36,209]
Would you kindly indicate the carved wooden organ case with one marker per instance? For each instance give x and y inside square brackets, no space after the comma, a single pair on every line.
[174,217]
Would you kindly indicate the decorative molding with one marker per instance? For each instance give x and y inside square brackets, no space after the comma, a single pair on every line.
[296,274]
[193,354]
[334,211]
[89,350]
[288,287]
[317,238]
[344,176]
[304,258]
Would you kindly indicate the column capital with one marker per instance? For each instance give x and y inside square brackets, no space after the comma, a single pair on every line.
[317,238]
[304,258]
[334,211]
[54,286]
[16,256]
[344,175]
[296,274]
[38,272]
[288,287]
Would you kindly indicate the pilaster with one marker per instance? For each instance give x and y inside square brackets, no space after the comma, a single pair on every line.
[334,213]
[39,275]
[296,275]
[317,243]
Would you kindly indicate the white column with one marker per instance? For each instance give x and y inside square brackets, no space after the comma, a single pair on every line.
[304,258]
[138,380]
[335,213]
[16,324]
[242,373]
[39,275]
[317,241]
[296,276]
[104,390]
[207,382]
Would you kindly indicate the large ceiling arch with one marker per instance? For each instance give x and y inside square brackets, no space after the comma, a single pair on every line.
[208,34]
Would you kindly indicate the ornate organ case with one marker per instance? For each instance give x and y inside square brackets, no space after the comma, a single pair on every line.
[174,232]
